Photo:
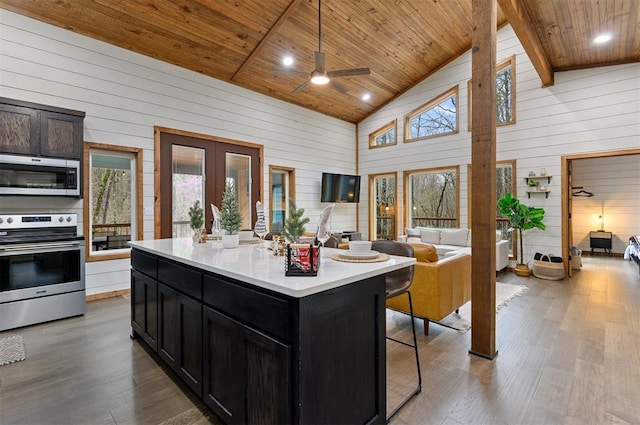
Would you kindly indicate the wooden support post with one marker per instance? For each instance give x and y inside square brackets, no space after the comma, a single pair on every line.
[483,185]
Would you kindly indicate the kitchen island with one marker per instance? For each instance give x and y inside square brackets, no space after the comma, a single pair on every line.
[261,347]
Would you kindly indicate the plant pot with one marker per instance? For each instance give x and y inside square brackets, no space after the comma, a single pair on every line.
[230,241]
[199,235]
[523,270]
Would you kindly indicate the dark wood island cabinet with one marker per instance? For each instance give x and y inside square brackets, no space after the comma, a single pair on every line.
[258,355]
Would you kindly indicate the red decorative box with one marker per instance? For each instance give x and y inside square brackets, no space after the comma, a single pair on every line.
[302,260]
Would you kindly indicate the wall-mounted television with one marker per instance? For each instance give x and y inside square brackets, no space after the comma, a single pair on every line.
[340,188]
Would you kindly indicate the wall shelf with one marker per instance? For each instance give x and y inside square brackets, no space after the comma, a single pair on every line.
[534,189]
[547,178]
[546,192]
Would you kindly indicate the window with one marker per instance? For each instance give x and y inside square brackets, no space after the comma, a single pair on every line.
[505,93]
[384,136]
[187,164]
[505,183]
[112,200]
[432,197]
[282,184]
[435,118]
[382,206]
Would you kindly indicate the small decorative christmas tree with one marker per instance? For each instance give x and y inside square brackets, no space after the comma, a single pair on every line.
[196,215]
[294,225]
[230,217]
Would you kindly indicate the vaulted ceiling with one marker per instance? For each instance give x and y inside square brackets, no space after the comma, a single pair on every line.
[401,41]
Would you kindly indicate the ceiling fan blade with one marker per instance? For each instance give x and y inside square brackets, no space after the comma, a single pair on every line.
[290,72]
[349,72]
[301,87]
[319,62]
[339,87]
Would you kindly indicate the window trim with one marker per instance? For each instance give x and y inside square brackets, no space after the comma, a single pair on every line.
[405,189]
[506,63]
[372,199]
[454,91]
[393,125]
[137,152]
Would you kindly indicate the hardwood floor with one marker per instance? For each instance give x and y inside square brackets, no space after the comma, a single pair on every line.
[569,353]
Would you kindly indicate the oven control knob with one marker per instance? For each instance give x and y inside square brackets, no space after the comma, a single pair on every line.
[68,219]
[60,219]
[9,220]
[1,220]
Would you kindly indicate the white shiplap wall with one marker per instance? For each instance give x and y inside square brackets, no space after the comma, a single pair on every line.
[125,95]
[615,183]
[591,110]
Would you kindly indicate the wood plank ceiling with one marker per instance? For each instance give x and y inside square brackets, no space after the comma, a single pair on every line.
[401,41]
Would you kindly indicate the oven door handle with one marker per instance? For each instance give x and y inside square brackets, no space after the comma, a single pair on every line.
[38,247]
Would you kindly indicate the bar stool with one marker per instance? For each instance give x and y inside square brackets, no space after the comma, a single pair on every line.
[398,283]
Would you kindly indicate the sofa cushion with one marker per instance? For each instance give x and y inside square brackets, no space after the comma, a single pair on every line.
[454,237]
[425,252]
[430,236]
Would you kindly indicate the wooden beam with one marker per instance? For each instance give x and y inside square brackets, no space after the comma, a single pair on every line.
[521,23]
[268,36]
[483,184]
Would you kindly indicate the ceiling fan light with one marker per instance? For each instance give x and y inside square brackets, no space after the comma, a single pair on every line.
[319,78]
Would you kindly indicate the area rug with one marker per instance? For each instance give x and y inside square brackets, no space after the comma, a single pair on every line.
[462,321]
[11,349]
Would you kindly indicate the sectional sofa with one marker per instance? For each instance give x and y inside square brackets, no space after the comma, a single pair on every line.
[450,242]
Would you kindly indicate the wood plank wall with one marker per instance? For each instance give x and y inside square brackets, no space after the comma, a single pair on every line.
[125,94]
[592,110]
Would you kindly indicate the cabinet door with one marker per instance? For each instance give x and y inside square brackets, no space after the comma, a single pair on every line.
[246,373]
[180,335]
[144,308]
[168,325]
[19,130]
[61,135]
[190,354]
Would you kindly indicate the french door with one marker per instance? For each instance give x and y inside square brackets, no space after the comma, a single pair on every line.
[194,168]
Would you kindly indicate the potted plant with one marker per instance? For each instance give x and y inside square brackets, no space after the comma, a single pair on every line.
[230,217]
[196,218]
[521,218]
[294,225]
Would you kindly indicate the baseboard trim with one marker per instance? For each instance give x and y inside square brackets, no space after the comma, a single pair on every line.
[111,294]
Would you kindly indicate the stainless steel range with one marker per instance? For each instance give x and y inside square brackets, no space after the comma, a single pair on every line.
[41,269]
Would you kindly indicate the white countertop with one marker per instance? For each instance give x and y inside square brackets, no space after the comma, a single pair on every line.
[250,264]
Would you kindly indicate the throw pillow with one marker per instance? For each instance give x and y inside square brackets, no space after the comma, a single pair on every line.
[410,232]
[456,237]
[425,253]
[431,236]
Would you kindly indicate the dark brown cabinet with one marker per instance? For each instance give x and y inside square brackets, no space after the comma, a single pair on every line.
[19,130]
[257,356]
[246,372]
[32,129]
[180,335]
[144,307]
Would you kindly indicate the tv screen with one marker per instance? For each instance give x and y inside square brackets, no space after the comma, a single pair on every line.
[340,188]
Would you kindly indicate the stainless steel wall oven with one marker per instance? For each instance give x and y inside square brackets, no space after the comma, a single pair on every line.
[42,269]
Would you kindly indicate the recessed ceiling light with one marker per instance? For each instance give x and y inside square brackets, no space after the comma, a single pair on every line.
[366,97]
[287,61]
[602,38]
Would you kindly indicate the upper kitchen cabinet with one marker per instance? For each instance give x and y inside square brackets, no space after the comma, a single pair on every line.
[40,130]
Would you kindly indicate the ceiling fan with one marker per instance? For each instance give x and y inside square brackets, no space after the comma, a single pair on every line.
[320,75]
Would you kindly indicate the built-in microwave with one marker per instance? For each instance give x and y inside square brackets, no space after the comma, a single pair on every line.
[25,175]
